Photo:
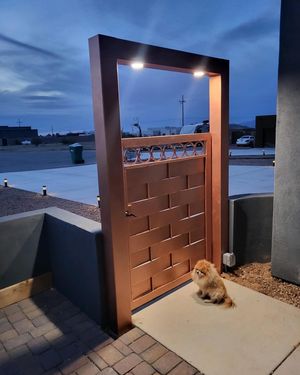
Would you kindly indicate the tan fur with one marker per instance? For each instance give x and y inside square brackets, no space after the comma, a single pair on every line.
[211,286]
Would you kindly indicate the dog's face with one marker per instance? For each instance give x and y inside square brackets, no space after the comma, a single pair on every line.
[201,270]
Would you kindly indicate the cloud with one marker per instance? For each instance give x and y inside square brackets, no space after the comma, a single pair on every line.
[250,31]
[27,46]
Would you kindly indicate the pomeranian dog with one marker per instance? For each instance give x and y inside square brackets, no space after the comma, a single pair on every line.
[210,283]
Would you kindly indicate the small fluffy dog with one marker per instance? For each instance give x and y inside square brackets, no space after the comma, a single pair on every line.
[211,286]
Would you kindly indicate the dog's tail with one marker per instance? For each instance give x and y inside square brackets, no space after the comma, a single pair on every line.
[228,302]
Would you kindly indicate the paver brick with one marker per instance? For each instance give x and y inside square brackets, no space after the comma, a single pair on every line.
[38,345]
[84,326]
[110,355]
[166,363]
[131,335]
[4,358]
[143,369]
[19,315]
[73,350]
[88,369]
[12,309]
[34,313]
[20,351]
[105,341]
[124,349]
[29,364]
[127,363]
[63,340]
[26,303]
[98,361]
[40,320]
[53,334]
[5,326]
[89,334]
[23,326]
[52,372]
[72,365]
[42,330]
[50,359]
[8,334]
[183,369]
[109,371]
[142,343]
[98,341]
[80,317]
[16,341]
[154,352]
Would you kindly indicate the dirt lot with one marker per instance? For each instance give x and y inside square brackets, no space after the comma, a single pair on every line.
[13,201]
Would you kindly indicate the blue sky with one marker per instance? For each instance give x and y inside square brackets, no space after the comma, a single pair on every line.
[44,61]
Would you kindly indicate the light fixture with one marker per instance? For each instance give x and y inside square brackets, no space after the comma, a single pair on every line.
[44,190]
[5,182]
[199,73]
[98,200]
[137,65]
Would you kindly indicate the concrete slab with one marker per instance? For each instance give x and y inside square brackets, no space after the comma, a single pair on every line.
[291,366]
[247,151]
[250,179]
[253,338]
[79,183]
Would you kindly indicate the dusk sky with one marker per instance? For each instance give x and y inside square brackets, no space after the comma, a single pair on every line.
[44,60]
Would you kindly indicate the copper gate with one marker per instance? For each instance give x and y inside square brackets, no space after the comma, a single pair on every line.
[175,192]
[167,184]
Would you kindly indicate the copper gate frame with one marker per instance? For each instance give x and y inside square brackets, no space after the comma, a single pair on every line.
[105,55]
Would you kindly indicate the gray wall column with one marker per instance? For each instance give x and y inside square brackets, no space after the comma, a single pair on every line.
[286,213]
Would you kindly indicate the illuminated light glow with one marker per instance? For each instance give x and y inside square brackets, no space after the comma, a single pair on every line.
[199,74]
[137,65]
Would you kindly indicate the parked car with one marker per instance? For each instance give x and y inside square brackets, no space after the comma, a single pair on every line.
[26,142]
[202,127]
[246,140]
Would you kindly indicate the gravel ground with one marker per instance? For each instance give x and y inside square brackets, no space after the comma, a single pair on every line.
[13,201]
[258,276]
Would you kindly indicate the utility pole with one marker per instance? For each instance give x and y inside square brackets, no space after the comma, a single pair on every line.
[182,101]
[137,125]
[19,122]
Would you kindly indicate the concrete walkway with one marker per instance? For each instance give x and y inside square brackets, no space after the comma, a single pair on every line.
[80,183]
[258,337]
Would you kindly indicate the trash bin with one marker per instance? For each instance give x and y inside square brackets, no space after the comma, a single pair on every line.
[76,153]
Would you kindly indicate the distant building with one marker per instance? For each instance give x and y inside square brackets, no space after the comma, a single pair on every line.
[265,131]
[11,135]
[237,130]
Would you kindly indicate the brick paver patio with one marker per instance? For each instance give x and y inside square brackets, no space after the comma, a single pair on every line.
[47,334]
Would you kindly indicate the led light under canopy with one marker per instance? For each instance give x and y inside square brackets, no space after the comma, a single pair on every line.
[137,65]
[199,73]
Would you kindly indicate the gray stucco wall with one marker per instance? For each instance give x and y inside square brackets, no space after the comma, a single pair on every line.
[57,241]
[23,252]
[75,247]
[250,227]
[286,219]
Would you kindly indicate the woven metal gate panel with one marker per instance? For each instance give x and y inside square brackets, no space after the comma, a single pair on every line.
[168,202]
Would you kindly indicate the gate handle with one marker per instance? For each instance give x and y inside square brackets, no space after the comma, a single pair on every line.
[128,213]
